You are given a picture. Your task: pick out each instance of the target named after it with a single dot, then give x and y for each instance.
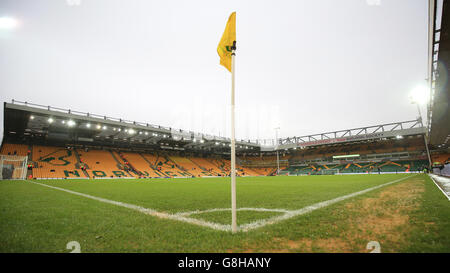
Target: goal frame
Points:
(19, 166)
(329, 171)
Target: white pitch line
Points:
(257, 224)
(293, 213)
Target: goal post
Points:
(13, 167)
(329, 171)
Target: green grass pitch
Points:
(34, 218)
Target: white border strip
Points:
(439, 187)
(183, 216)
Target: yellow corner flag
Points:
(226, 43)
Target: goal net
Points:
(329, 171)
(13, 167)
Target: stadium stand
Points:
(225, 164)
(441, 158)
(101, 163)
(187, 165)
(60, 162)
(54, 162)
(207, 164)
(14, 149)
(156, 151)
(165, 166)
(362, 167)
(141, 165)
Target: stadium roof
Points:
(440, 99)
(46, 123)
(27, 121)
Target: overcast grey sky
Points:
(305, 66)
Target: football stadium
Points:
(82, 181)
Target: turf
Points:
(34, 218)
(243, 217)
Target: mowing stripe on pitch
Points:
(183, 216)
(145, 210)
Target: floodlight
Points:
(8, 23)
(71, 123)
(31, 117)
(88, 125)
(99, 126)
(50, 120)
(104, 127)
(419, 95)
(345, 156)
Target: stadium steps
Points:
(115, 158)
(191, 166)
(164, 166)
(120, 165)
(140, 164)
(79, 163)
(209, 165)
(128, 166)
(239, 169)
(181, 170)
(149, 158)
(202, 168)
(255, 170)
(30, 161)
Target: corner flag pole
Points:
(233, 146)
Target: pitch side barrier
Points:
(381, 173)
(411, 172)
(57, 178)
(105, 178)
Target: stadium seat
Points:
(54, 162)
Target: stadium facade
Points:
(63, 143)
